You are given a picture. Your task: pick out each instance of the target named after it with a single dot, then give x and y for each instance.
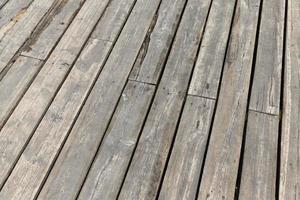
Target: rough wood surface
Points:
(152, 57)
(260, 157)
(51, 28)
(11, 13)
(265, 93)
(72, 165)
(145, 172)
(15, 83)
(114, 18)
(23, 73)
(222, 160)
(149, 99)
(34, 163)
(3, 2)
(15, 36)
(290, 141)
(206, 76)
(106, 176)
(183, 172)
(26, 116)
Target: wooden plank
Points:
(206, 76)
(44, 38)
(290, 141)
(222, 160)
(258, 179)
(114, 17)
(106, 176)
(27, 114)
(15, 36)
(15, 83)
(43, 51)
(54, 127)
(152, 58)
(2, 3)
(84, 139)
(63, 111)
(145, 172)
(11, 13)
(183, 172)
(51, 28)
(265, 95)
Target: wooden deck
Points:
(150, 99)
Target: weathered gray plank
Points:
(153, 54)
(206, 76)
(3, 2)
(11, 13)
(15, 83)
(290, 141)
(14, 37)
(265, 93)
(183, 172)
(114, 17)
(54, 127)
(51, 28)
(222, 160)
(26, 116)
(85, 136)
(145, 172)
(42, 40)
(258, 179)
(106, 176)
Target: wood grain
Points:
(55, 125)
(152, 57)
(27, 114)
(183, 172)
(15, 83)
(290, 141)
(18, 32)
(115, 16)
(260, 157)
(34, 163)
(72, 165)
(206, 76)
(49, 31)
(42, 40)
(145, 172)
(149, 99)
(265, 92)
(222, 160)
(11, 13)
(3, 2)
(106, 176)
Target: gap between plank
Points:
(18, 54)
(19, 51)
(85, 99)
(239, 175)
(184, 101)
(50, 102)
(203, 97)
(31, 58)
(142, 82)
(154, 94)
(216, 101)
(90, 90)
(261, 112)
(4, 4)
(281, 102)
